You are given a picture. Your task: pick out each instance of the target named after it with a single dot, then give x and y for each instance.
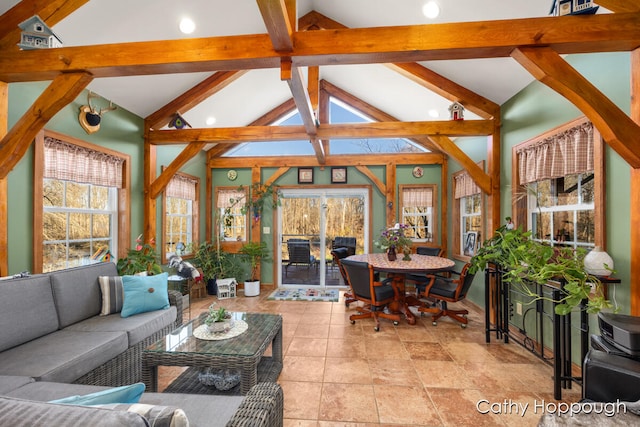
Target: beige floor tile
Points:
(347, 347)
(416, 408)
(385, 371)
(347, 370)
(348, 402)
(312, 330)
(345, 330)
(301, 399)
(317, 319)
(385, 349)
(302, 368)
(441, 374)
(458, 407)
(426, 351)
(307, 347)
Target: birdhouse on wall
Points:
(573, 7)
(178, 122)
(456, 111)
(36, 35)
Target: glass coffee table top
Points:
(261, 328)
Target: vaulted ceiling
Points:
(247, 57)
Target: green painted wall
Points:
(120, 131)
(537, 109)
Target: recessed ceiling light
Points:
(187, 26)
(434, 113)
(210, 121)
(431, 10)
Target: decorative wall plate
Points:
(232, 175)
(418, 172)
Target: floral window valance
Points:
(566, 153)
(69, 162)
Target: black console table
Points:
(561, 359)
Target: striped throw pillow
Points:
(112, 294)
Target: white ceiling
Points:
(255, 93)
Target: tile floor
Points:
(339, 374)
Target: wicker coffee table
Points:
(244, 352)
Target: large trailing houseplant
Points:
(141, 259)
(524, 261)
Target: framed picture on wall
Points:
(470, 239)
(338, 175)
(305, 175)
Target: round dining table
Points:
(397, 271)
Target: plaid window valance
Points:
(228, 198)
(417, 197)
(182, 187)
(566, 153)
(464, 186)
(69, 162)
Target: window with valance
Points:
(559, 185)
(417, 211)
(181, 201)
(467, 214)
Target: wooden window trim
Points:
(124, 194)
(230, 246)
(434, 213)
(195, 220)
(519, 204)
(456, 217)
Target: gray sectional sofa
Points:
(54, 343)
(52, 331)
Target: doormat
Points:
(305, 294)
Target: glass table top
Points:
(262, 328)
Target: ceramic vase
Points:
(218, 327)
(594, 262)
(391, 254)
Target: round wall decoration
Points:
(232, 175)
(417, 172)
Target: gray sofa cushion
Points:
(77, 293)
(11, 382)
(27, 310)
(201, 410)
(63, 356)
(138, 327)
(19, 413)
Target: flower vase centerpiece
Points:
(393, 240)
(218, 320)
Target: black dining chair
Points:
(339, 254)
(420, 281)
(447, 289)
(373, 294)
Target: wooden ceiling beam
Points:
(161, 182)
(421, 75)
(326, 131)
(448, 89)
(370, 110)
(62, 90)
(479, 176)
(50, 11)
(194, 96)
(466, 40)
(275, 17)
(334, 160)
(620, 6)
(617, 129)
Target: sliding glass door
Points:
(308, 222)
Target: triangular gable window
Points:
(338, 113)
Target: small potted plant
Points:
(257, 252)
(218, 319)
(142, 259)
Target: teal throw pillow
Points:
(144, 293)
(125, 394)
